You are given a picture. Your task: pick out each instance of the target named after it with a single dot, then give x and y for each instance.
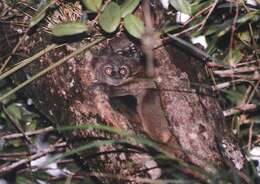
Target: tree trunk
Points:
(68, 96)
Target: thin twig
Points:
(197, 14)
(239, 109)
(27, 61)
(254, 43)
(223, 85)
(56, 64)
(23, 24)
(13, 51)
(99, 11)
(31, 133)
(233, 28)
(255, 90)
(137, 179)
(188, 29)
(230, 72)
(148, 40)
(208, 15)
(250, 136)
(15, 123)
(16, 154)
(6, 169)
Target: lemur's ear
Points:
(99, 60)
(107, 51)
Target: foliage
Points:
(232, 32)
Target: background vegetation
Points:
(230, 28)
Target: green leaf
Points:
(245, 37)
(128, 7)
(15, 112)
(109, 19)
(92, 5)
(170, 28)
(182, 6)
(233, 57)
(236, 96)
(134, 25)
(69, 28)
(253, 16)
(40, 14)
(198, 6)
(219, 29)
(223, 28)
(37, 18)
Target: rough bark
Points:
(67, 96)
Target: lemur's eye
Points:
(108, 70)
(124, 71)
